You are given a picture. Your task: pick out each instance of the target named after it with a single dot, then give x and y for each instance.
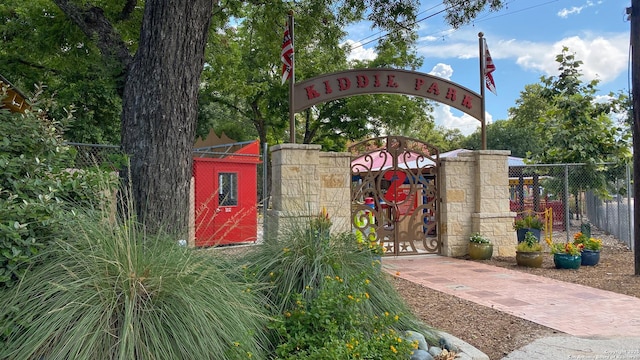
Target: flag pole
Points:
(483, 129)
(292, 81)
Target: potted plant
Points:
(590, 248)
(480, 247)
(529, 251)
(566, 255)
(528, 223)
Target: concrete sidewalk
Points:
(612, 332)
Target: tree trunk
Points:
(160, 110)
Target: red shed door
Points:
(226, 210)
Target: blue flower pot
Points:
(567, 261)
(520, 233)
(590, 257)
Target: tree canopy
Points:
(149, 56)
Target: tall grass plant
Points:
(327, 291)
(111, 291)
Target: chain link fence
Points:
(227, 175)
(577, 194)
(613, 213)
(103, 156)
(112, 157)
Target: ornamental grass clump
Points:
(528, 222)
(530, 243)
(330, 299)
(111, 291)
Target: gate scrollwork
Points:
(394, 194)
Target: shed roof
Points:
(15, 100)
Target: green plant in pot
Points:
(480, 247)
(590, 249)
(529, 251)
(566, 255)
(528, 223)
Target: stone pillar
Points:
(492, 216)
(457, 194)
(303, 181)
(474, 187)
(335, 189)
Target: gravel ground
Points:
(496, 333)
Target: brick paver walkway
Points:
(552, 303)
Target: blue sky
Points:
(524, 39)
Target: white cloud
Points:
(358, 52)
(602, 57)
(565, 13)
(448, 117)
(442, 70)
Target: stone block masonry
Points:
(473, 188)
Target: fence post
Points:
(567, 223)
(265, 188)
(630, 208)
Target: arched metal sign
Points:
(347, 83)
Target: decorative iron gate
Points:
(394, 194)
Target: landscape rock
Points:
(421, 355)
(412, 336)
(435, 351)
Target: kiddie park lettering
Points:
(380, 81)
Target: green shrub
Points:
(35, 186)
(334, 325)
(113, 292)
(320, 316)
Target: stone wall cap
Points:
(295, 147)
(494, 152)
(334, 154)
(460, 158)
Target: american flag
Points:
(286, 55)
(489, 67)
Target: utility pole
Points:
(634, 16)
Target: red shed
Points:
(226, 194)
